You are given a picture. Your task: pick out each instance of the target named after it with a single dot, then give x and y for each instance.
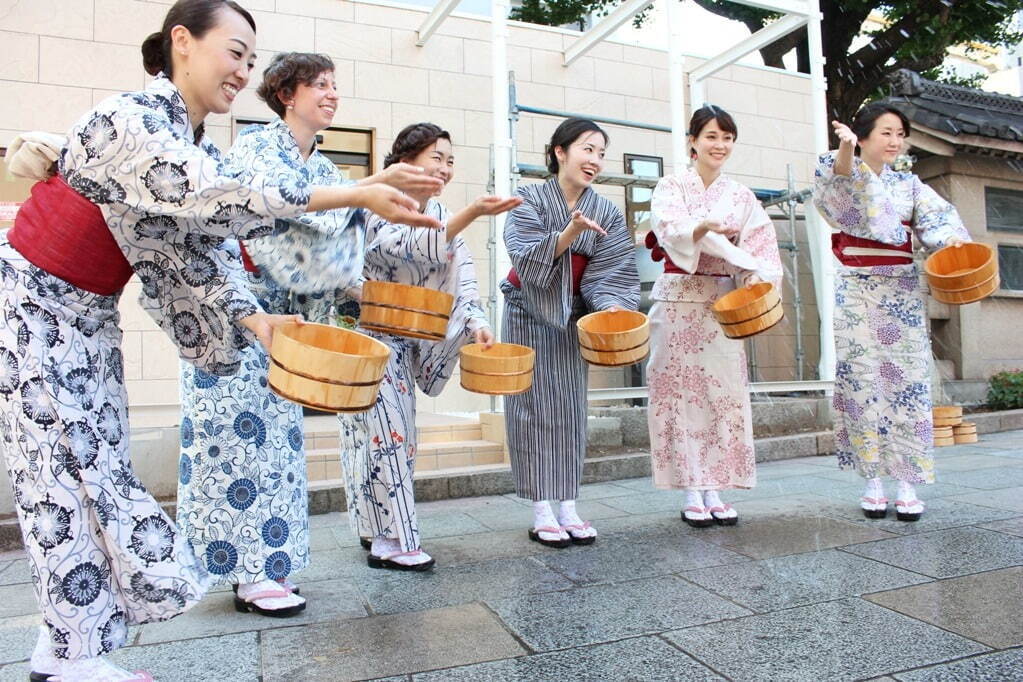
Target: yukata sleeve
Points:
(545, 278)
(129, 157)
(857, 204)
(936, 222)
(468, 296)
(673, 224)
(611, 277)
(759, 239)
(404, 243)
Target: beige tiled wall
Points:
(62, 56)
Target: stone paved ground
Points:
(804, 588)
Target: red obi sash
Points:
(60, 231)
(901, 254)
(659, 254)
(247, 260)
(579, 263)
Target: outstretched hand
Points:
(395, 207)
(410, 179)
(493, 205)
(581, 223)
(485, 336)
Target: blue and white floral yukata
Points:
(242, 493)
(882, 401)
(378, 448)
(101, 552)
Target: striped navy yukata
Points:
(546, 426)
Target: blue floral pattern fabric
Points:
(882, 399)
(169, 202)
(242, 491)
(314, 252)
(101, 552)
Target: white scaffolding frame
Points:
(795, 15)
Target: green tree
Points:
(916, 35)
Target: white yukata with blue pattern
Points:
(102, 553)
(242, 492)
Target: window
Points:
(1003, 209)
(351, 149)
(1010, 267)
(637, 199)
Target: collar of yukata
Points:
(282, 130)
(169, 98)
(694, 182)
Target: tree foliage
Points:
(915, 34)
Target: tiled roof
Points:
(955, 109)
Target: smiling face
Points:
(885, 141)
(210, 71)
(712, 146)
(583, 160)
(437, 161)
(314, 105)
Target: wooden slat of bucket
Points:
(947, 411)
(614, 331)
(405, 310)
(325, 353)
(755, 326)
(746, 303)
(402, 322)
(502, 369)
(971, 295)
(615, 359)
(321, 395)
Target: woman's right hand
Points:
(264, 324)
(844, 134)
(581, 223)
(410, 179)
(394, 207)
(706, 226)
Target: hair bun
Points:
(153, 60)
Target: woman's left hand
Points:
(614, 309)
(956, 243)
(753, 279)
(264, 324)
(492, 205)
(485, 337)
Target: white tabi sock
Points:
(694, 498)
(390, 548)
(907, 493)
(712, 500)
(543, 517)
(568, 518)
(97, 669)
(43, 660)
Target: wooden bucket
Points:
(943, 436)
(965, 433)
(405, 310)
(614, 338)
(327, 368)
(502, 369)
(948, 422)
(749, 310)
(964, 274)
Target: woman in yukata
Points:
(882, 401)
(572, 254)
(379, 447)
(242, 494)
(138, 191)
(712, 235)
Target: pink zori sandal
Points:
(580, 539)
(874, 507)
(277, 603)
(724, 515)
(387, 561)
(908, 515)
(697, 517)
(534, 535)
